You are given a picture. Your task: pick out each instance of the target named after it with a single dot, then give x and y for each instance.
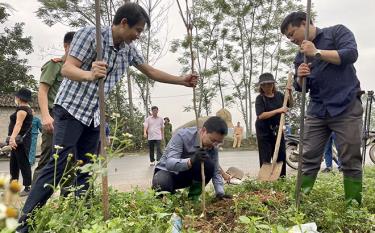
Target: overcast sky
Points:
(356, 15)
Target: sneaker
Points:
(327, 169)
(25, 192)
(152, 163)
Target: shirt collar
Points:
(197, 143)
(318, 33)
(109, 38)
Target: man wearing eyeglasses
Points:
(179, 166)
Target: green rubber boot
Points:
(195, 190)
(307, 184)
(353, 190)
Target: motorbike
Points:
(292, 151)
(371, 143)
(5, 150)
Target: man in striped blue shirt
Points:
(76, 109)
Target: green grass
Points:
(256, 207)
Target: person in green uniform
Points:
(167, 130)
(50, 81)
(36, 127)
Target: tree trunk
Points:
(130, 95)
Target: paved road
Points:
(132, 171)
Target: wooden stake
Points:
(189, 29)
(103, 140)
(302, 117)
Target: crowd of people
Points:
(69, 102)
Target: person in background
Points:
(328, 154)
(237, 135)
(19, 138)
(268, 107)
(50, 81)
(35, 129)
(287, 129)
(167, 130)
(153, 130)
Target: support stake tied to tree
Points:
(302, 117)
(189, 29)
(99, 52)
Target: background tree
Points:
(152, 44)
(207, 20)
(13, 69)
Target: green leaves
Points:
(13, 69)
(256, 207)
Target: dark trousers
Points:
(75, 138)
(348, 129)
(169, 181)
(266, 147)
(19, 160)
(46, 153)
(151, 146)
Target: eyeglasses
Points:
(213, 141)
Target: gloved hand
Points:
(199, 155)
(222, 196)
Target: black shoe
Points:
(327, 169)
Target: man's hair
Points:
(154, 107)
(216, 124)
(68, 37)
(294, 19)
(133, 13)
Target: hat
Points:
(24, 94)
(266, 78)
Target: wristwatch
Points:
(318, 54)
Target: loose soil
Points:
(221, 214)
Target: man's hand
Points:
(98, 70)
(145, 135)
(190, 80)
(222, 196)
(308, 48)
(200, 155)
(226, 176)
(47, 123)
(303, 70)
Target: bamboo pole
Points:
(302, 117)
(103, 140)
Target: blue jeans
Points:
(328, 151)
(75, 138)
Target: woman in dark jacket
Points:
(19, 133)
(268, 107)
